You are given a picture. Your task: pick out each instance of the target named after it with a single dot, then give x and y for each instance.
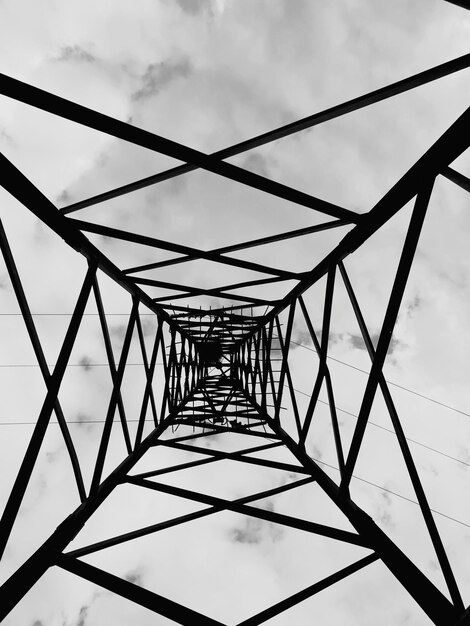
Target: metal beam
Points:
(148, 599)
(438, 608)
(16, 183)
(401, 86)
(452, 143)
(300, 232)
(144, 240)
(93, 119)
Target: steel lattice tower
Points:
(226, 370)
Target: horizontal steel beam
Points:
(144, 240)
(300, 596)
(148, 599)
(300, 232)
(457, 178)
(16, 183)
(401, 86)
(439, 609)
(454, 141)
(121, 130)
(269, 516)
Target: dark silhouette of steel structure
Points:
(226, 370)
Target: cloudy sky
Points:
(208, 74)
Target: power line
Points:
(415, 393)
(382, 488)
(389, 430)
(399, 495)
(70, 314)
(88, 365)
(354, 367)
(84, 365)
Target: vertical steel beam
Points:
(285, 356)
(111, 361)
(38, 351)
(405, 450)
(148, 389)
(398, 289)
(439, 609)
(26, 469)
(109, 420)
(323, 351)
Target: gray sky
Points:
(209, 74)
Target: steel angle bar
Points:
(109, 419)
(464, 619)
(228, 296)
(124, 235)
(92, 119)
(39, 353)
(166, 370)
(452, 143)
(433, 602)
(243, 509)
(290, 386)
(349, 106)
(29, 460)
(178, 368)
(269, 375)
(300, 524)
(186, 367)
(266, 348)
(198, 436)
(300, 596)
(207, 396)
(408, 457)
(223, 309)
(176, 443)
(148, 599)
(111, 361)
(324, 372)
(212, 291)
(176, 468)
(457, 178)
(16, 183)
(184, 309)
(21, 581)
(276, 490)
(241, 456)
(176, 521)
(285, 356)
(226, 429)
(171, 386)
(150, 366)
(257, 367)
(323, 353)
(141, 532)
(398, 289)
(249, 362)
(211, 326)
(148, 392)
(242, 246)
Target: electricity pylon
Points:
(227, 371)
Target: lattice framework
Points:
(226, 370)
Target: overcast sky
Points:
(210, 73)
